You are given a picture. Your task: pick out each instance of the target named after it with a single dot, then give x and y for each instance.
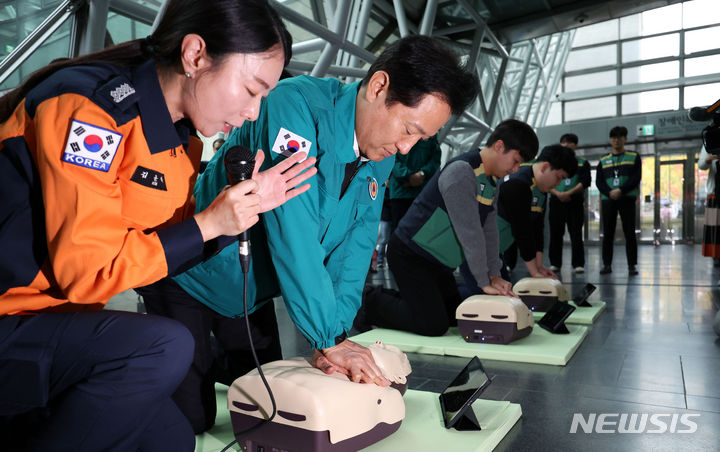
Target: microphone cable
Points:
(241, 159)
(259, 369)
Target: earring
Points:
(187, 74)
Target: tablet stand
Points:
(583, 304)
(468, 421)
(560, 328)
(554, 319)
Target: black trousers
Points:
(426, 300)
(572, 214)
(398, 209)
(609, 210)
(91, 381)
(510, 257)
(196, 394)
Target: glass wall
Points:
(19, 18)
(646, 225)
(676, 213)
(671, 179)
(610, 62)
(593, 205)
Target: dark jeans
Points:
(398, 209)
(610, 209)
(572, 214)
(90, 381)
(427, 297)
(196, 394)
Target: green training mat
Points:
(540, 347)
(215, 439)
(421, 430)
(581, 316)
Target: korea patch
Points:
(288, 143)
(91, 146)
(149, 178)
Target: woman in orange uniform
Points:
(97, 164)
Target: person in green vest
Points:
(410, 174)
(522, 202)
(316, 249)
(618, 179)
(567, 207)
(452, 221)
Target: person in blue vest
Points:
(410, 174)
(618, 179)
(316, 248)
(450, 222)
(567, 207)
(522, 201)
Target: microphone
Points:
(699, 114)
(702, 114)
(239, 164)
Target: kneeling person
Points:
(451, 221)
(522, 202)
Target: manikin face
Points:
(547, 177)
(383, 131)
(226, 94)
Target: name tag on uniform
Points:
(616, 182)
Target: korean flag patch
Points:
(288, 143)
(91, 146)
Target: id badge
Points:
(616, 182)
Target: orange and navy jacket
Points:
(94, 184)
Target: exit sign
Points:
(646, 130)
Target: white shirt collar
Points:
(356, 148)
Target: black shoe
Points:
(632, 270)
(605, 270)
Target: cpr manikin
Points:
(319, 412)
(540, 293)
(493, 319)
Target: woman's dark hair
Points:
(560, 158)
(420, 65)
(226, 26)
(518, 136)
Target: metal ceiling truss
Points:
(342, 38)
(516, 82)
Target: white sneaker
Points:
(554, 268)
(579, 270)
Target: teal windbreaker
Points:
(320, 243)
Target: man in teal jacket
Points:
(321, 241)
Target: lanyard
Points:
(616, 168)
